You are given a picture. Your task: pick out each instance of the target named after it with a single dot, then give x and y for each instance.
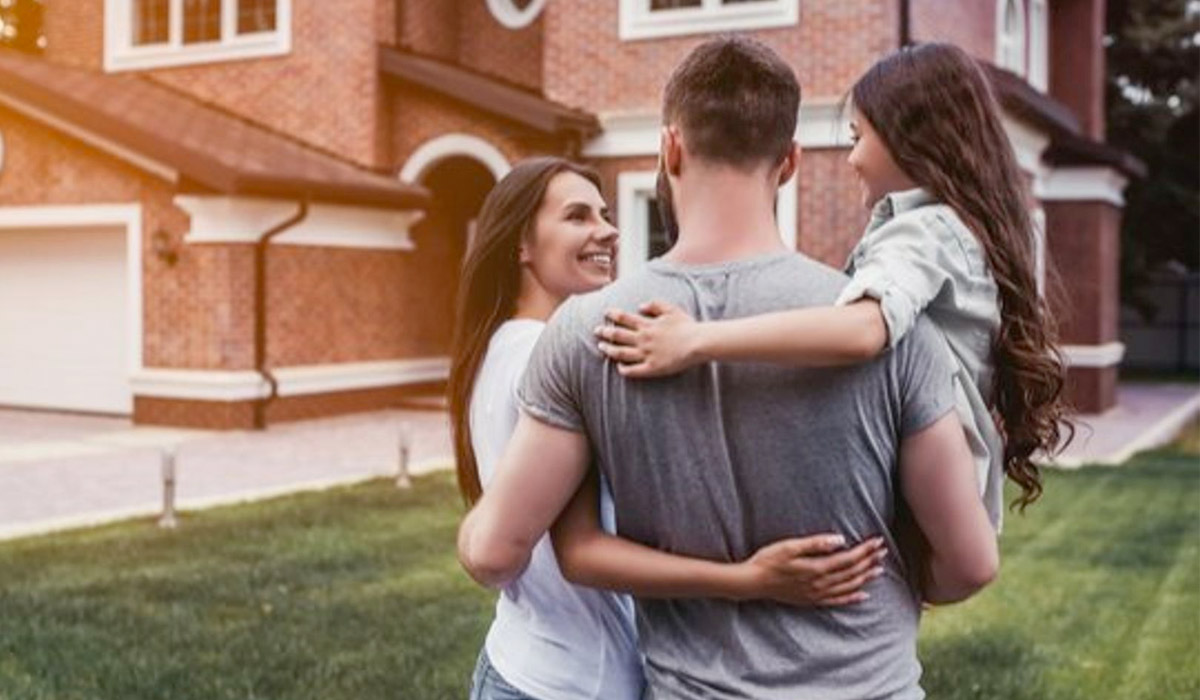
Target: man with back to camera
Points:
(724, 458)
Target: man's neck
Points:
(724, 216)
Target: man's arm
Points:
(937, 475)
(541, 469)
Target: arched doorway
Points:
(459, 185)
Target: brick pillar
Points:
(1083, 225)
(1077, 60)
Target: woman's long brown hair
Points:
(937, 114)
(487, 294)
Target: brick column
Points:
(1083, 225)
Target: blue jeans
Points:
(488, 684)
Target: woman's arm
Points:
(663, 339)
(800, 571)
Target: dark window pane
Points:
(256, 16)
(150, 25)
(201, 21)
(672, 4)
(659, 241)
(521, 4)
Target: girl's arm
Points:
(800, 571)
(664, 339)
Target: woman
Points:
(542, 236)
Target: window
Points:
(515, 14)
(1010, 36)
(1039, 45)
(645, 19)
(643, 236)
(159, 33)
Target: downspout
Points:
(260, 310)
(905, 25)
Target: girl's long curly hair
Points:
(936, 112)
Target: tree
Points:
(1153, 108)
(21, 25)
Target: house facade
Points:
(225, 213)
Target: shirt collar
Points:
(896, 203)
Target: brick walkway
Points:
(61, 471)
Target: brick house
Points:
(224, 213)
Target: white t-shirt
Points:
(551, 639)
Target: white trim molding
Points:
(121, 54)
(820, 124)
(639, 21)
(220, 219)
(126, 215)
(434, 150)
(636, 189)
(513, 17)
(1083, 184)
(1027, 143)
(300, 380)
(1039, 44)
(151, 166)
(1094, 356)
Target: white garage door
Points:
(63, 323)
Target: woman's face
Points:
(573, 248)
(878, 174)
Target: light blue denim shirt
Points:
(918, 257)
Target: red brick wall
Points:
(831, 212)
(1083, 240)
(485, 45)
(75, 33)
(1077, 66)
(971, 25)
(419, 115)
(587, 65)
(327, 305)
(325, 92)
(429, 27)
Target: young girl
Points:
(949, 238)
(543, 236)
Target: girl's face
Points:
(878, 174)
(573, 248)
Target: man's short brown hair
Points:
(736, 102)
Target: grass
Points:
(355, 593)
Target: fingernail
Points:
(877, 571)
(837, 541)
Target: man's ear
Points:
(789, 165)
(670, 150)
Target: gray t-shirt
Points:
(724, 458)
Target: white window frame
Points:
(1011, 45)
(1037, 217)
(1039, 44)
(638, 21)
(636, 189)
(511, 16)
(121, 54)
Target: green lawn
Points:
(355, 593)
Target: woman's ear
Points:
(523, 256)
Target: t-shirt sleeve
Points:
(926, 378)
(549, 389)
(902, 265)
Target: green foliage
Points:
(21, 25)
(1153, 109)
